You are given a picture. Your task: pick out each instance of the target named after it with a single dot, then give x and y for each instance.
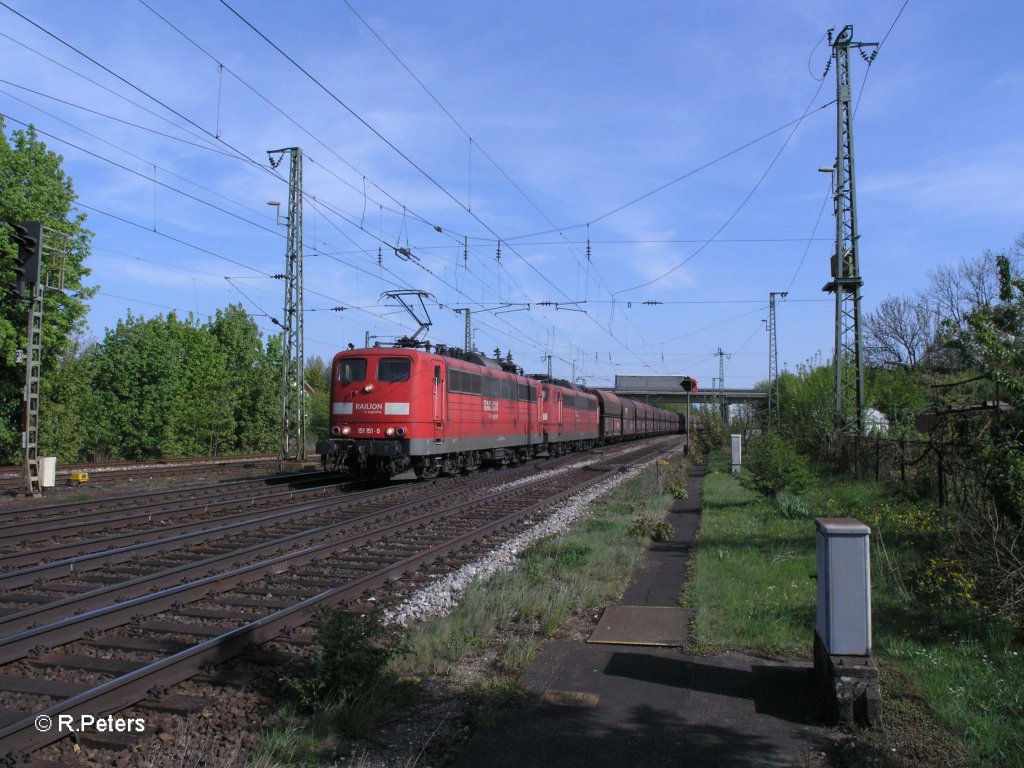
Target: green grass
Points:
(750, 583)
(952, 675)
(557, 577)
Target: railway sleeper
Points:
(174, 704)
(87, 663)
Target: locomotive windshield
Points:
(351, 369)
(393, 369)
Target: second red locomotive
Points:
(407, 413)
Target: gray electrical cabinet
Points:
(844, 586)
(737, 453)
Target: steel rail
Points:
(25, 576)
(20, 644)
(109, 507)
(83, 601)
(113, 504)
(10, 479)
(135, 686)
(82, 547)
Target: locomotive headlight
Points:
(400, 431)
(346, 430)
(368, 388)
(390, 431)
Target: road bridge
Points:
(667, 389)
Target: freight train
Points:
(405, 413)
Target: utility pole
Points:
(468, 343)
(721, 385)
(846, 280)
(293, 409)
(773, 360)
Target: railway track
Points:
(105, 473)
(119, 626)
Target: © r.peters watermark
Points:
(82, 723)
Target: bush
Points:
(349, 655)
(645, 527)
(678, 491)
(776, 466)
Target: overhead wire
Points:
(871, 60)
(255, 91)
(134, 87)
(125, 168)
(240, 154)
(796, 124)
(424, 221)
(112, 92)
(683, 177)
(473, 141)
(270, 103)
(132, 171)
(406, 157)
(128, 123)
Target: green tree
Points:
(202, 409)
(990, 531)
(162, 388)
(318, 379)
(807, 407)
(254, 382)
(33, 187)
(993, 342)
(68, 403)
(775, 466)
(900, 394)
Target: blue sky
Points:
(668, 134)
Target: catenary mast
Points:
(845, 264)
(293, 411)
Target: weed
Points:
(349, 655)
(645, 527)
(642, 527)
(491, 697)
(678, 490)
(519, 652)
(792, 506)
(775, 466)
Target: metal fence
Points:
(945, 471)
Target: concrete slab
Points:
(663, 625)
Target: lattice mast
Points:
(773, 359)
(721, 385)
(293, 410)
(846, 280)
(33, 368)
(42, 257)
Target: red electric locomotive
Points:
(406, 413)
(571, 418)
